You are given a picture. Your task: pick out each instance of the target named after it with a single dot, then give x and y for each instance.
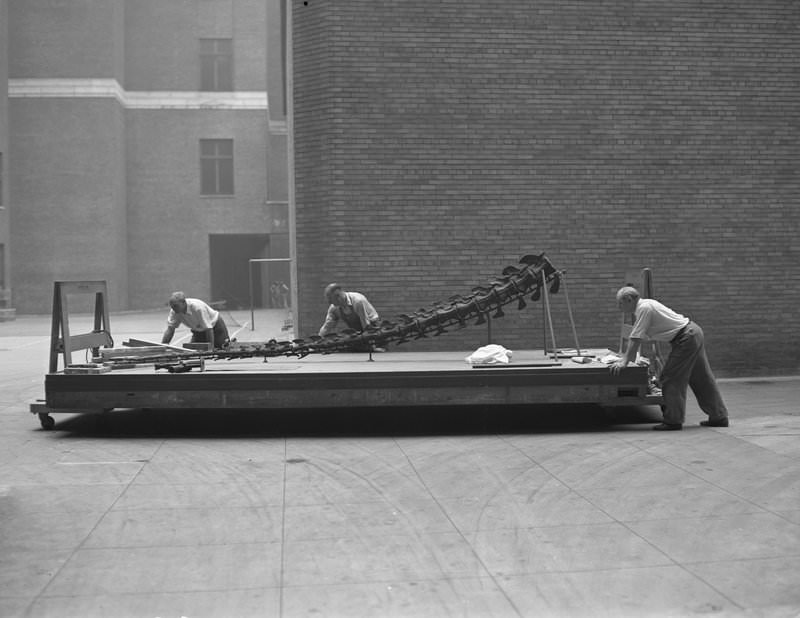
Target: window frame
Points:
(219, 164)
(217, 64)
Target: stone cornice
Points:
(135, 99)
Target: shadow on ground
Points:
(372, 422)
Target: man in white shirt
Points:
(687, 364)
(206, 323)
(352, 308)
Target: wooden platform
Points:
(351, 380)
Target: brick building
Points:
(436, 142)
(146, 146)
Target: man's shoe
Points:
(668, 427)
(718, 422)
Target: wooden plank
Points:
(142, 352)
(144, 343)
(514, 366)
(87, 369)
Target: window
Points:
(216, 166)
(216, 65)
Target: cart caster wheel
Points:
(47, 421)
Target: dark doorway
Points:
(230, 255)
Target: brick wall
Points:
(436, 142)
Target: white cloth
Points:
(491, 354)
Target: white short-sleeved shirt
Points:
(198, 317)
(655, 321)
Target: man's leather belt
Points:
(679, 333)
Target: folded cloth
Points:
(613, 357)
(491, 354)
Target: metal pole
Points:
(546, 297)
(569, 311)
(544, 327)
(250, 262)
(252, 309)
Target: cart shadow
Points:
(367, 422)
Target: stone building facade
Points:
(146, 146)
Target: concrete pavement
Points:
(545, 511)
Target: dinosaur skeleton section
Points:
(515, 284)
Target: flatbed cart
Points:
(344, 379)
(394, 379)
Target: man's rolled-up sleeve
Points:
(330, 322)
(366, 313)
